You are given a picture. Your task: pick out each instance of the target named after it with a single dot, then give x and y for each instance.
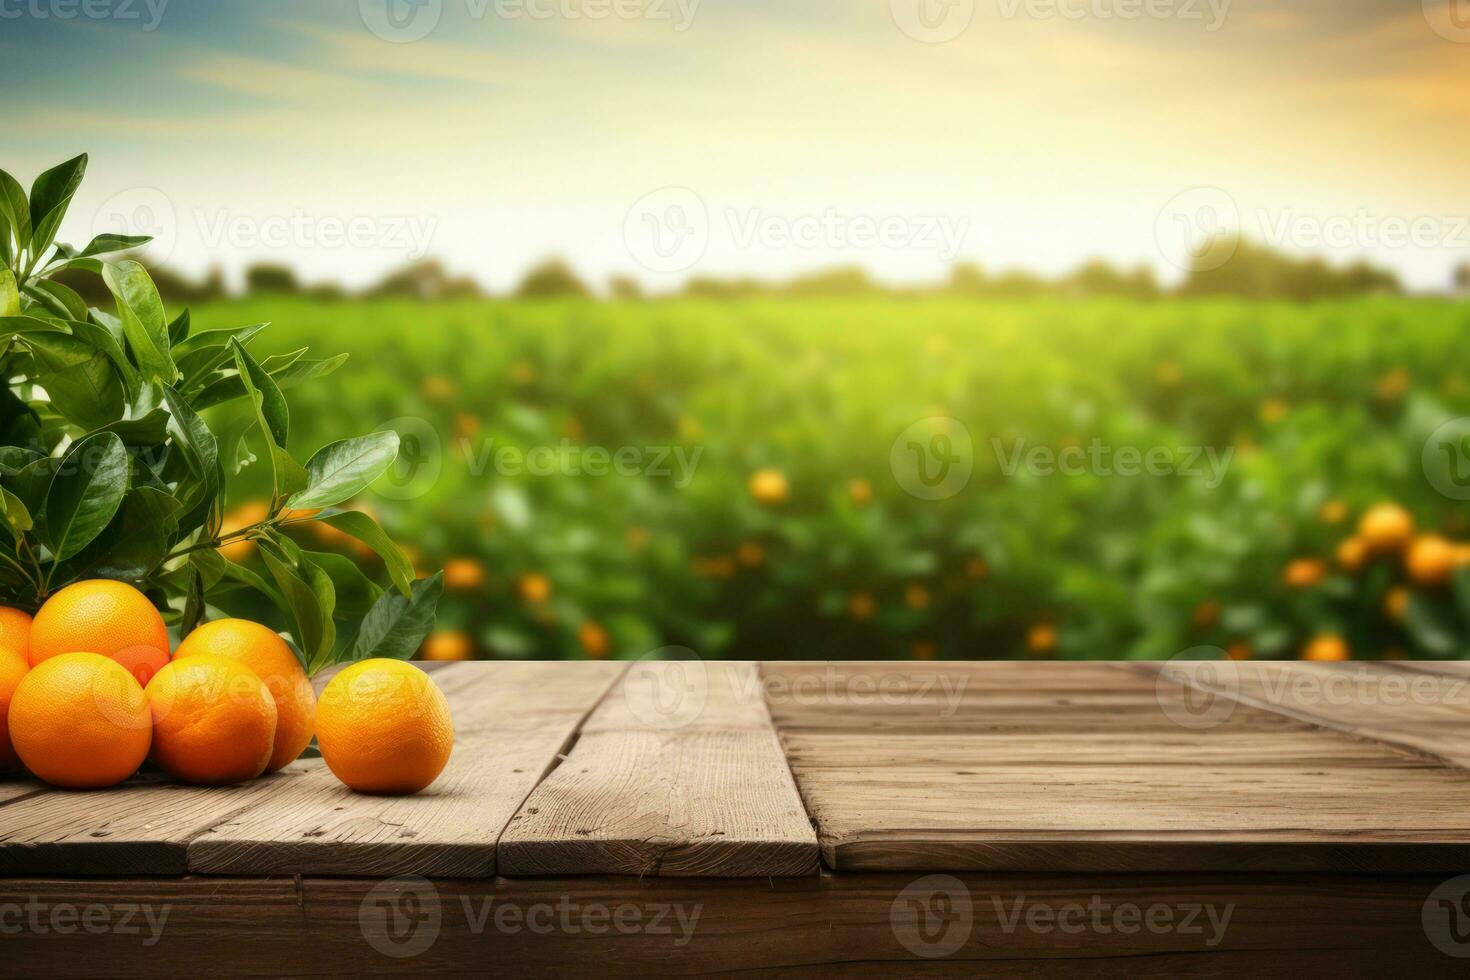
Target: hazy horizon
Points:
(763, 139)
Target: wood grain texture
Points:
(140, 828)
(852, 925)
(678, 773)
(512, 720)
(1100, 768)
(1421, 708)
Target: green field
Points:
(1247, 418)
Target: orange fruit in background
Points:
(1041, 639)
(12, 668)
(1386, 527)
(1328, 647)
(238, 519)
(15, 632)
(1430, 560)
(1352, 554)
(594, 639)
(448, 645)
(106, 617)
(463, 574)
(272, 660)
(213, 720)
(769, 486)
(534, 587)
(1396, 602)
(384, 727)
(1303, 573)
(80, 720)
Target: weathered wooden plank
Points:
(877, 925)
(140, 828)
(1134, 774)
(511, 722)
(1424, 711)
(678, 773)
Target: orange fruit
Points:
(1327, 646)
(1352, 554)
(1041, 639)
(1333, 512)
(448, 645)
(106, 617)
(769, 486)
(1396, 603)
(1303, 573)
(383, 727)
(12, 668)
(1239, 650)
(751, 554)
(1430, 560)
(268, 656)
(915, 596)
(860, 490)
(594, 640)
(1386, 527)
(15, 632)
(861, 605)
(80, 720)
(535, 587)
(463, 574)
(213, 720)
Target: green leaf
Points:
(396, 626)
(343, 469)
(211, 566)
(199, 451)
(9, 294)
(220, 336)
(80, 380)
(136, 541)
(14, 209)
(286, 376)
(355, 592)
(60, 300)
(365, 529)
(106, 244)
(179, 329)
(51, 195)
(13, 511)
(143, 321)
(306, 591)
(149, 430)
(85, 493)
(270, 404)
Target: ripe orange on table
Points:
(268, 656)
(106, 617)
(13, 667)
(1385, 528)
(383, 727)
(15, 632)
(213, 720)
(80, 720)
(1430, 560)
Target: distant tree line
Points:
(1228, 267)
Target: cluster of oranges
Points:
(89, 690)
(1385, 532)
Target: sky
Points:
(668, 138)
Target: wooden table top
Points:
(738, 770)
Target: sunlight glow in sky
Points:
(668, 138)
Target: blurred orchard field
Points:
(911, 477)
